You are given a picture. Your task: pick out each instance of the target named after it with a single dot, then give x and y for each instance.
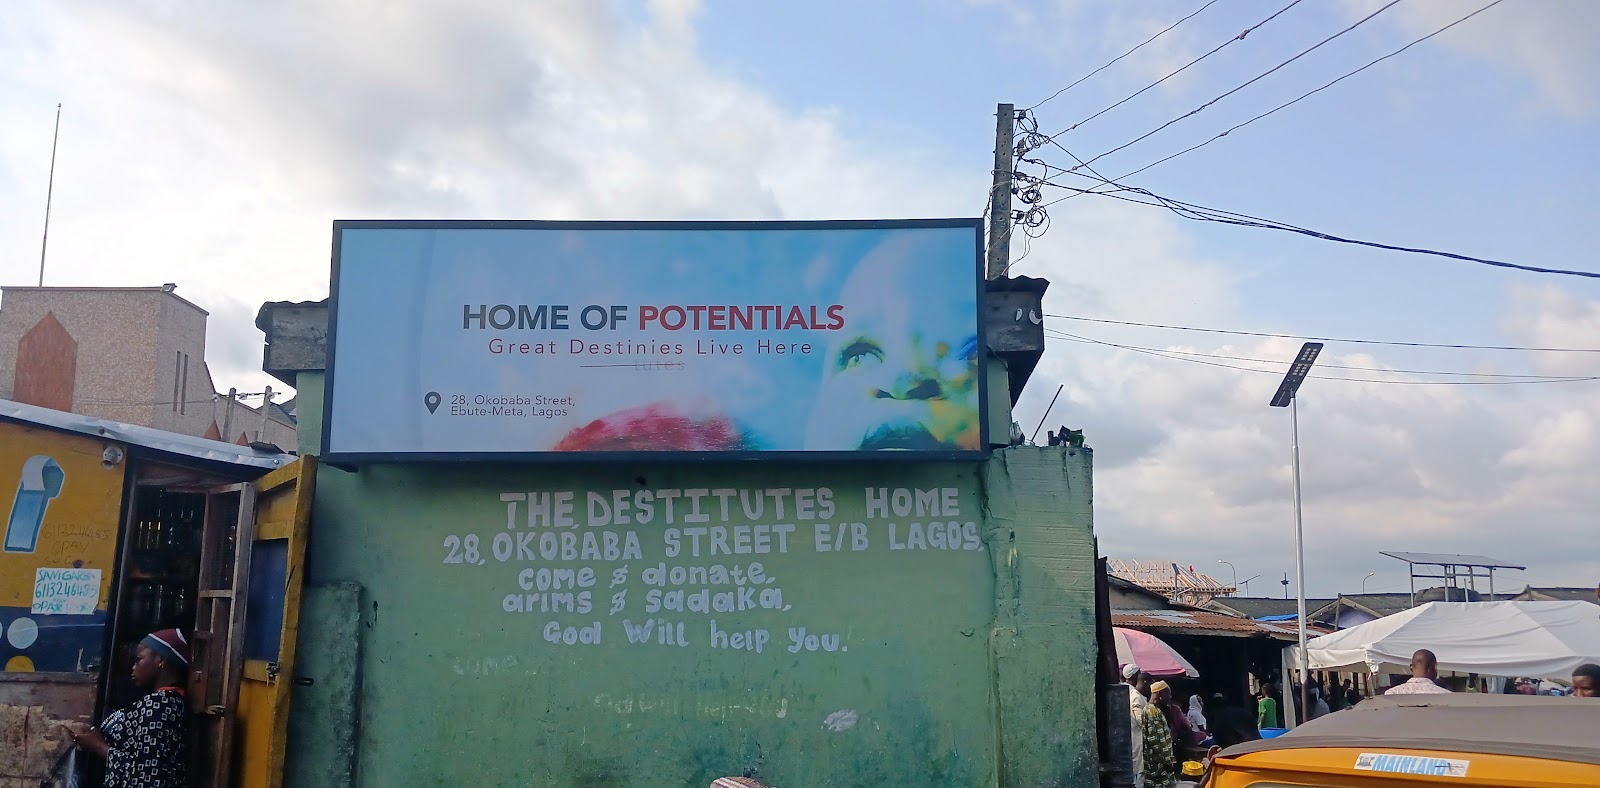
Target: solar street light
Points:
(1285, 397)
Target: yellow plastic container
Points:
(1417, 741)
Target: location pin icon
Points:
(431, 399)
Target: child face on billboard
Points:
(902, 374)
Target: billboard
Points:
(540, 340)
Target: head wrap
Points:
(1158, 686)
(169, 644)
(1129, 671)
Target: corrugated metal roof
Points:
(1562, 594)
(146, 437)
(1202, 622)
(1261, 607)
(1384, 604)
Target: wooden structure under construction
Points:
(1180, 583)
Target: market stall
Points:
(113, 531)
(1534, 639)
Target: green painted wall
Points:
(912, 678)
(1038, 508)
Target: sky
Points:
(212, 145)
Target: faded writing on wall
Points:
(679, 567)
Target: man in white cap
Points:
(1136, 704)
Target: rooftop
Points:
(170, 443)
(1558, 594)
(1167, 577)
(1263, 606)
(1379, 605)
(168, 289)
(1204, 622)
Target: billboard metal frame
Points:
(352, 459)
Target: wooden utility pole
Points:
(227, 416)
(999, 257)
(266, 416)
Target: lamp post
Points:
(1364, 581)
(1285, 397)
(1231, 571)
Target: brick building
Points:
(128, 354)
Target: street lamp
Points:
(1364, 581)
(1285, 397)
(1231, 571)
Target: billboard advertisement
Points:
(540, 340)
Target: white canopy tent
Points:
(1534, 639)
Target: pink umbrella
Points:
(1150, 654)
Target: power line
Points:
(218, 397)
(1204, 214)
(1136, 94)
(1310, 93)
(1118, 58)
(1252, 81)
(1445, 373)
(1391, 382)
(1396, 343)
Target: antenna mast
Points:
(49, 193)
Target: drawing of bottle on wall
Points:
(41, 482)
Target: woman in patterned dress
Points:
(1160, 762)
(144, 745)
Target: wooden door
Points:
(250, 582)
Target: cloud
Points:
(1549, 40)
(1551, 317)
(214, 146)
(1496, 470)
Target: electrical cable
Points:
(1219, 48)
(1204, 214)
(1166, 355)
(1345, 340)
(1251, 81)
(1308, 94)
(1118, 58)
(1441, 372)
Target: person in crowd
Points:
(1586, 681)
(1229, 723)
(1178, 726)
(1197, 719)
(1352, 696)
(1266, 707)
(1319, 707)
(144, 745)
(1140, 684)
(1160, 759)
(1424, 676)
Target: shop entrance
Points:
(221, 562)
